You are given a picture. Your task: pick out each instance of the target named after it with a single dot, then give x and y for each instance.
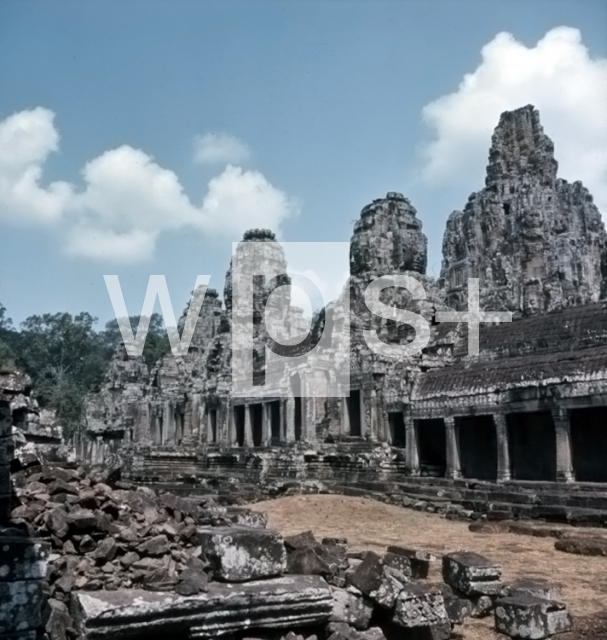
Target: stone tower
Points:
(388, 238)
(534, 241)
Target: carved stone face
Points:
(533, 299)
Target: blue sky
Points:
(321, 107)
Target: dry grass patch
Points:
(373, 525)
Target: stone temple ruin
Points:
(98, 549)
(530, 407)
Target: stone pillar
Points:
(290, 419)
(453, 465)
(564, 464)
(169, 423)
(345, 418)
(411, 454)
(191, 407)
(233, 439)
(363, 414)
(200, 421)
(265, 424)
(503, 450)
(248, 426)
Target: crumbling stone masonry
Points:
(22, 559)
(531, 407)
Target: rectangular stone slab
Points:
(472, 573)
(132, 614)
(243, 553)
(532, 618)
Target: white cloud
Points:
(26, 140)
(220, 148)
(238, 200)
(128, 199)
(558, 77)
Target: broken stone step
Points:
(130, 614)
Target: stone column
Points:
(564, 464)
(188, 436)
(169, 423)
(290, 419)
(453, 465)
(345, 418)
(233, 439)
(411, 454)
(503, 450)
(248, 426)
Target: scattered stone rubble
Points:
(123, 563)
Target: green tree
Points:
(66, 358)
(9, 342)
(156, 343)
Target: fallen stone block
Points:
(472, 574)
(351, 607)
(398, 562)
(237, 554)
(419, 560)
(300, 541)
(279, 603)
(377, 581)
(420, 605)
(529, 617)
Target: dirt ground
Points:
(368, 524)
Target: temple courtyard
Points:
(372, 525)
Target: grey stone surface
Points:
(472, 574)
(526, 616)
(534, 240)
(278, 603)
(351, 607)
(241, 553)
(380, 583)
(420, 605)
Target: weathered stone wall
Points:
(534, 241)
(22, 560)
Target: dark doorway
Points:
(397, 429)
(274, 409)
(239, 423)
(354, 417)
(296, 390)
(589, 444)
(213, 424)
(477, 441)
(298, 418)
(178, 427)
(257, 424)
(532, 443)
(432, 446)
